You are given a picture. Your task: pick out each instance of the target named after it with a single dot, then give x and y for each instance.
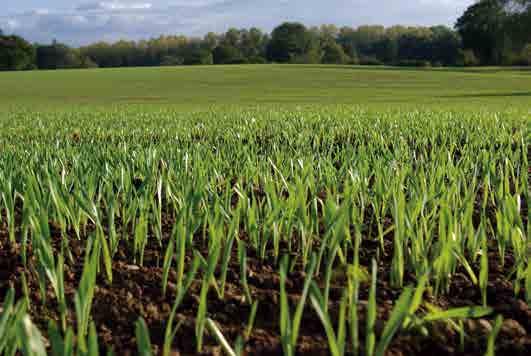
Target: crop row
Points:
(331, 194)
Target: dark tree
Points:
(333, 53)
(519, 21)
(232, 37)
(227, 54)
(387, 50)
(194, 54)
(346, 39)
(16, 53)
(104, 54)
(482, 30)
(57, 56)
(291, 43)
(253, 45)
(526, 54)
(446, 45)
(210, 41)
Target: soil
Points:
(136, 292)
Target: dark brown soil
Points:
(136, 292)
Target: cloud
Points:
(136, 19)
(113, 6)
(12, 24)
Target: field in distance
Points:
(196, 88)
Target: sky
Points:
(79, 22)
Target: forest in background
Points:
(490, 32)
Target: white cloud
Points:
(113, 6)
(39, 12)
(12, 24)
(134, 19)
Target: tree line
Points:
(490, 32)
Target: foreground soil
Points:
(136, 292)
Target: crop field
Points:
(265, 210)
(197, 88)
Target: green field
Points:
(265, 210)
(194, 88)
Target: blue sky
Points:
(83, 21)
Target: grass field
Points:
(265, 210)
(194, 88)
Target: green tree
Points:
(482, 28)
(104, 54)
(16, 53)
(210, 41)
(387, 50)
(329, 32)
(232, 37)
(518, 21)
(445, 45)
(227, 54)
(57, 56)
(346, 39)
(292, 43)
(86, 62)
(467, 58)
(253, 44)
(194, 54)
(333, 53)
(526, 54)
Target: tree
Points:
(445, 45)
(346, 39)
(103, 54)
(482, 30)
(526, 54)
(416, 45)
(232, 37)
(467, 58)
(292, 43)
(333, 53)
(86, 62)
(194, 54)
(57, 56)
(210, 41)
(16, 53)
(227, 54)
(366, 38)
(329, 31)
(518, 21)
(387, 50)
(253, 45)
